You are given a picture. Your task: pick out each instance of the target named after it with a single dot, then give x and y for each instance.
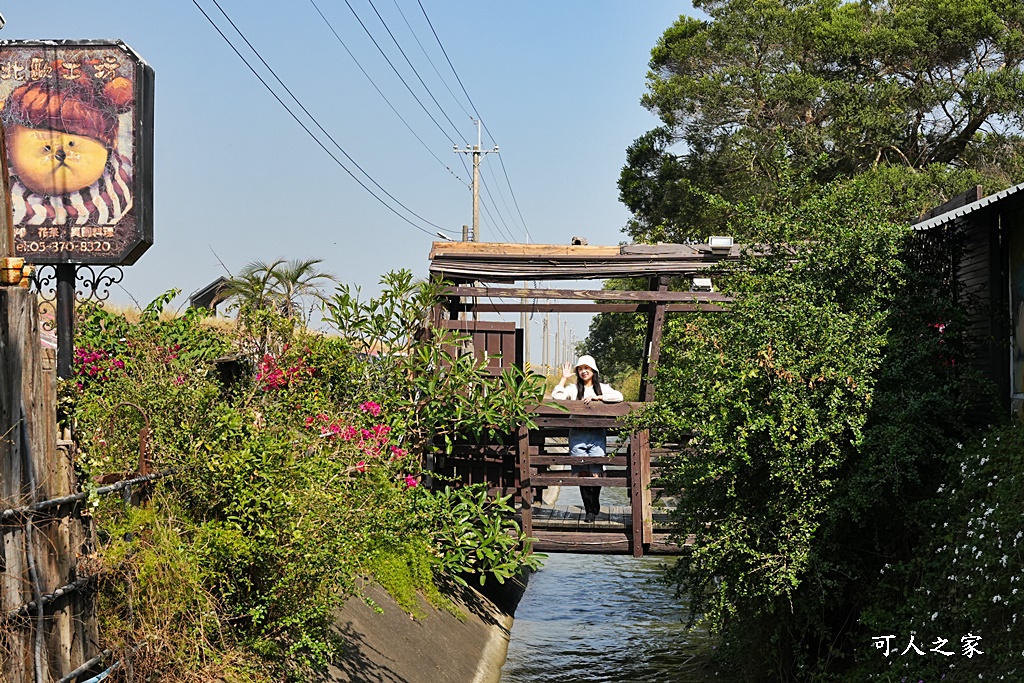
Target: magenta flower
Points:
(410, 481)
(397, 452)
(371, 408)
(361, 466)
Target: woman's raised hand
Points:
(567, 370)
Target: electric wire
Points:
(431, 62)
(397, 73)
(494, 224)
(411, 66)
(313, 118)
(383, 96)
(501, 194)
(506, 232)
(314, 137)
(432, 97)
(476, 111)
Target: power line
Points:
(409, 62)
(322, 129)
(309, 132)
(383, 96)
(397, 73)
(470, 99)
(501, 194)
(506, 232)
(430, 61)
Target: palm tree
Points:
(280, 285)
(294, 280)
(253, 287)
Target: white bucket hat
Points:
(588, 361)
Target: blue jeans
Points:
(588, 442)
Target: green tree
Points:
(821, 89)
(819, 413)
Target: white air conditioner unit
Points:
(720, 244)
(701, 284)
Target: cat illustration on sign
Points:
(63, 132)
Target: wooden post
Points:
(646, 511)
(525, 490)
(639, 491)
(6, 213)
(17, 315)
(652, 340)
(28, 453)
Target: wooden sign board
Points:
(78, 118)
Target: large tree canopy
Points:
(821, 89)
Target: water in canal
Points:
(602, 618)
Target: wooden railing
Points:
(533, 466)
(526, 462)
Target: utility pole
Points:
(545, 346)
(477, 151)
(558, 340)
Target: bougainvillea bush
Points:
(298, 471)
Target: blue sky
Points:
(557, 84)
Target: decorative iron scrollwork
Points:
(43, 282)
(96, 286)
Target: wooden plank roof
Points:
(960, 212)
(504, 262)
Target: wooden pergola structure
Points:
(521, 464)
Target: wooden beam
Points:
(615, 460)
(524, 484)
(570, 479)
(490, 307)
(7, 247)
(564, 408)
(591, 294)
(601, 542)
(636, 496)
(597, 422)
(652, 341)
(646, 512)
(464, 249)
(475, 325)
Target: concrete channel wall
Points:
(393, 647)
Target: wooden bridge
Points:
(531, 463)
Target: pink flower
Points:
(179, 380)
(348, 433)
(397, 452)
(371, 408)
(410, 481)
(309, 421)
(381, 431)
(361, 466)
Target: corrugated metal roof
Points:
(962, 211)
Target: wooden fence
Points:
(49, 628)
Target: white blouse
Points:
(568, 393)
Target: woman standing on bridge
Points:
(587, 442)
